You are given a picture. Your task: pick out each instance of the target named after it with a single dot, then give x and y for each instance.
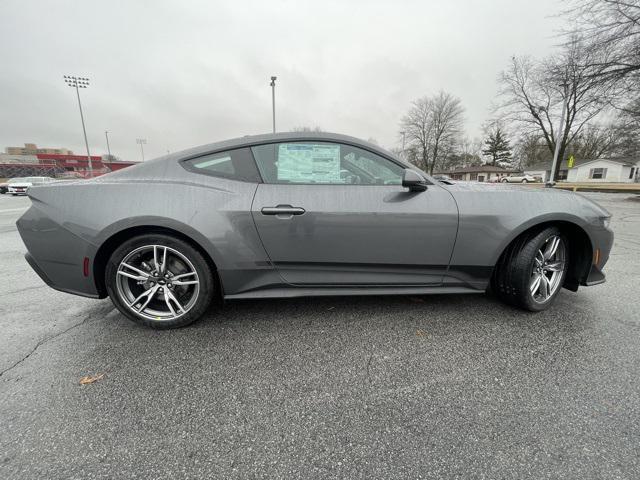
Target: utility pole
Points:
(78, 83)
(106, 134)
(273, 101)
(141, 142)
(403, 133)
(559, 135)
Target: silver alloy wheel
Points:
(157, 282)
(548, 268)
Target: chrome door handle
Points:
(282, 210)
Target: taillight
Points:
(85, 266)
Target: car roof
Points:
(251, 140)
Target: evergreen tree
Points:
(497, 148)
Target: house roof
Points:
(580, 162)
(478, 169)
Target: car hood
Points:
(21, 184)
(516, 192)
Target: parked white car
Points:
(18, 186)
(519, 178)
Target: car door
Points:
(336, 214)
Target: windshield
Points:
(18, 180)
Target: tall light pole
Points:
(141, 142)
(106, 135)
(403, 133)
(559, 135)
(273, 101)
(78, 83)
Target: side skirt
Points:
(289, 292)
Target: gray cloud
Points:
(191, 72)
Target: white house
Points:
(605, 170)
(615, 170)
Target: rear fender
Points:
(162, 222)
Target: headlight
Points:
(605, 221)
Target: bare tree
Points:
(531, 149)
(596, 141)
(470, 150)
(533, 92)
(417, 129)
(612, 29)
(628, 131)
(432, 128)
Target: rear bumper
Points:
(56, 254)
(36, 268)
(41, 273)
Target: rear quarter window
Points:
(233, 164)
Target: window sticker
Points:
(304, 163)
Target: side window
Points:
(324, 163)
(234, 164)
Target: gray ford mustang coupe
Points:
(304, 214)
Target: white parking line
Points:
(14, 210)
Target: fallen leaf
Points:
(416, 299)
(420, 333)
(90, 379)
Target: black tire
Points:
(199, 301)
(516, 269)
(504, 180)
(524, 180)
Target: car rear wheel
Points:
(159, 281)
(504, 180)
(530, 274)
(524, 180)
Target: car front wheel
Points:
(159, 281)
(531, 272)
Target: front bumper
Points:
(602, 242)
(595, 277)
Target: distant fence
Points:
(12, 170)
(49, 169)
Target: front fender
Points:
(533, 222)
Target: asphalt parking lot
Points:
(367, 387)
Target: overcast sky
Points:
(184, 73)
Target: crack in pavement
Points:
(47, 340)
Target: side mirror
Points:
(413, 181)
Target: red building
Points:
(78, 165)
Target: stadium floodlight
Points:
(141, 142)
(78, 83)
